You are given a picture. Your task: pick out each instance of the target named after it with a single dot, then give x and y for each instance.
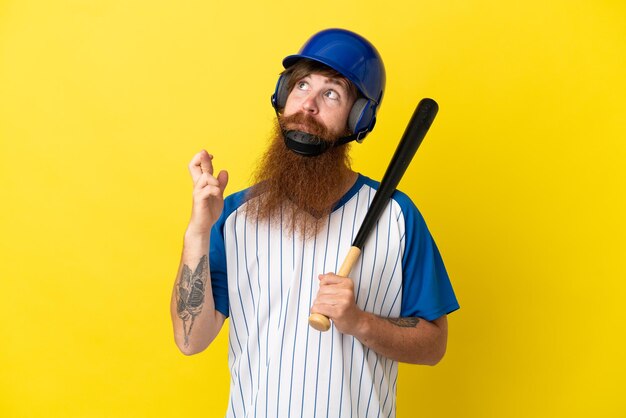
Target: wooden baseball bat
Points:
(414, 133)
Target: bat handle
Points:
(319, 321)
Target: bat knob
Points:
(319, 322)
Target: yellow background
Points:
(521, 180)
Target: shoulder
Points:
(236, 200)
(404, 202)
(233, 202)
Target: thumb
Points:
(222, 178)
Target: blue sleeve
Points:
(426, 289)
(217, 264)
(217, 252)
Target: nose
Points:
(310, 105)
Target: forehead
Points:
(341, 82)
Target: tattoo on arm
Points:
(404, 322)
(190, 291)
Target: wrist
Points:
(362, 325)
(194, 236)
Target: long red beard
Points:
(298, 191)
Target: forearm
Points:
(409, 340)
(195, 320)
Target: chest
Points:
(267, 266)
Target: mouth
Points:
(298, 127)
(301, 122)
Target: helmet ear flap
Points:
(361, 115)
(279, 98)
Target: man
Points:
(261, 256)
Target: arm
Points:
(409, 340)
(195, 320)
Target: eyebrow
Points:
(338, 81)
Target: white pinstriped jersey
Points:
(266, 280)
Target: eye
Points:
(332, 95)
(302, 85)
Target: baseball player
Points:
(262, 257)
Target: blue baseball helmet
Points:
(356, 59)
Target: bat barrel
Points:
(415, 132)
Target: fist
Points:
(335, 299)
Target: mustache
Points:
(304, 122)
